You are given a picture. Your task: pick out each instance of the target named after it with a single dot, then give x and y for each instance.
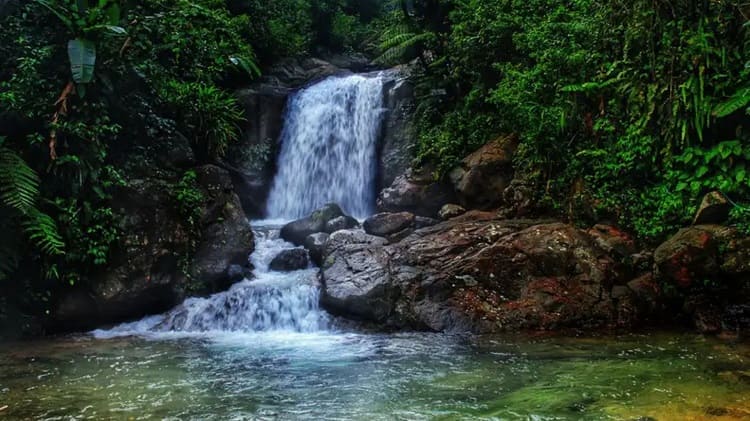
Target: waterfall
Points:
(328, 155)
(328, 148)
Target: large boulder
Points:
(384, 224)
(482, 177)
(691, 254)
(415, 191)
(290, 260)
(297, 231)
(714, 209)
(341, 223)
(475, 272)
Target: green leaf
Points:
(739, 100)
(82, 54)
(19, 184)
(702, 170)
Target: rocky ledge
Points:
(481, 273)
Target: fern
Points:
(19, 184)
(397, 42)
(739, 100)
(41, 229)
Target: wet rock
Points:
(399, 131)
(315, 245)
(483, 176)
(226, 237)
(518, 199)
(714, 209)
(383, 224)
(341, 223)
(691, 254)
(613, 240)
(476, 272)
(290, 260)
(296, 232)
(451, 211)
(424, 222)
(236, 273)
(417, 192)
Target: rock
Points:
(451, 211)
(691, 255)
(290, 260)
(226, 237)
(735, 257)
(714, 209)
(236, 273)
(476, 272)
(296, 232)
(357, 284)
(315, 245)
(416, 192)
(613, 240)
(383, 224)
(146, 273)
(518, 199)
(482, 177)
(399, 131)
(341, 223)
(424, 222)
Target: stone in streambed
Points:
(315, 245)
(290, 260)
(341, 223)
(296, 232)
(451, 211)
(714, 209)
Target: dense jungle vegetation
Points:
(627, 110)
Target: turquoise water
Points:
(314, 376)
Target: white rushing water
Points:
(329, 148)
(328, 155)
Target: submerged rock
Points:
(290, 260)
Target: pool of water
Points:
(285, 375)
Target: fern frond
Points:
(396, 43)
(739, 100)
(41, 229)
(19, 184)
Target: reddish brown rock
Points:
(483, 176)
(475, 272)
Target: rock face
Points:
(290, 260)
(417, 192)
(147, 273)
(483, 176)
(384, 224)
(297, 231)
(399, 131)
(478, 273)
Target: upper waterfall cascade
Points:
(329, 148)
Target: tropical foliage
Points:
(628, 110)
